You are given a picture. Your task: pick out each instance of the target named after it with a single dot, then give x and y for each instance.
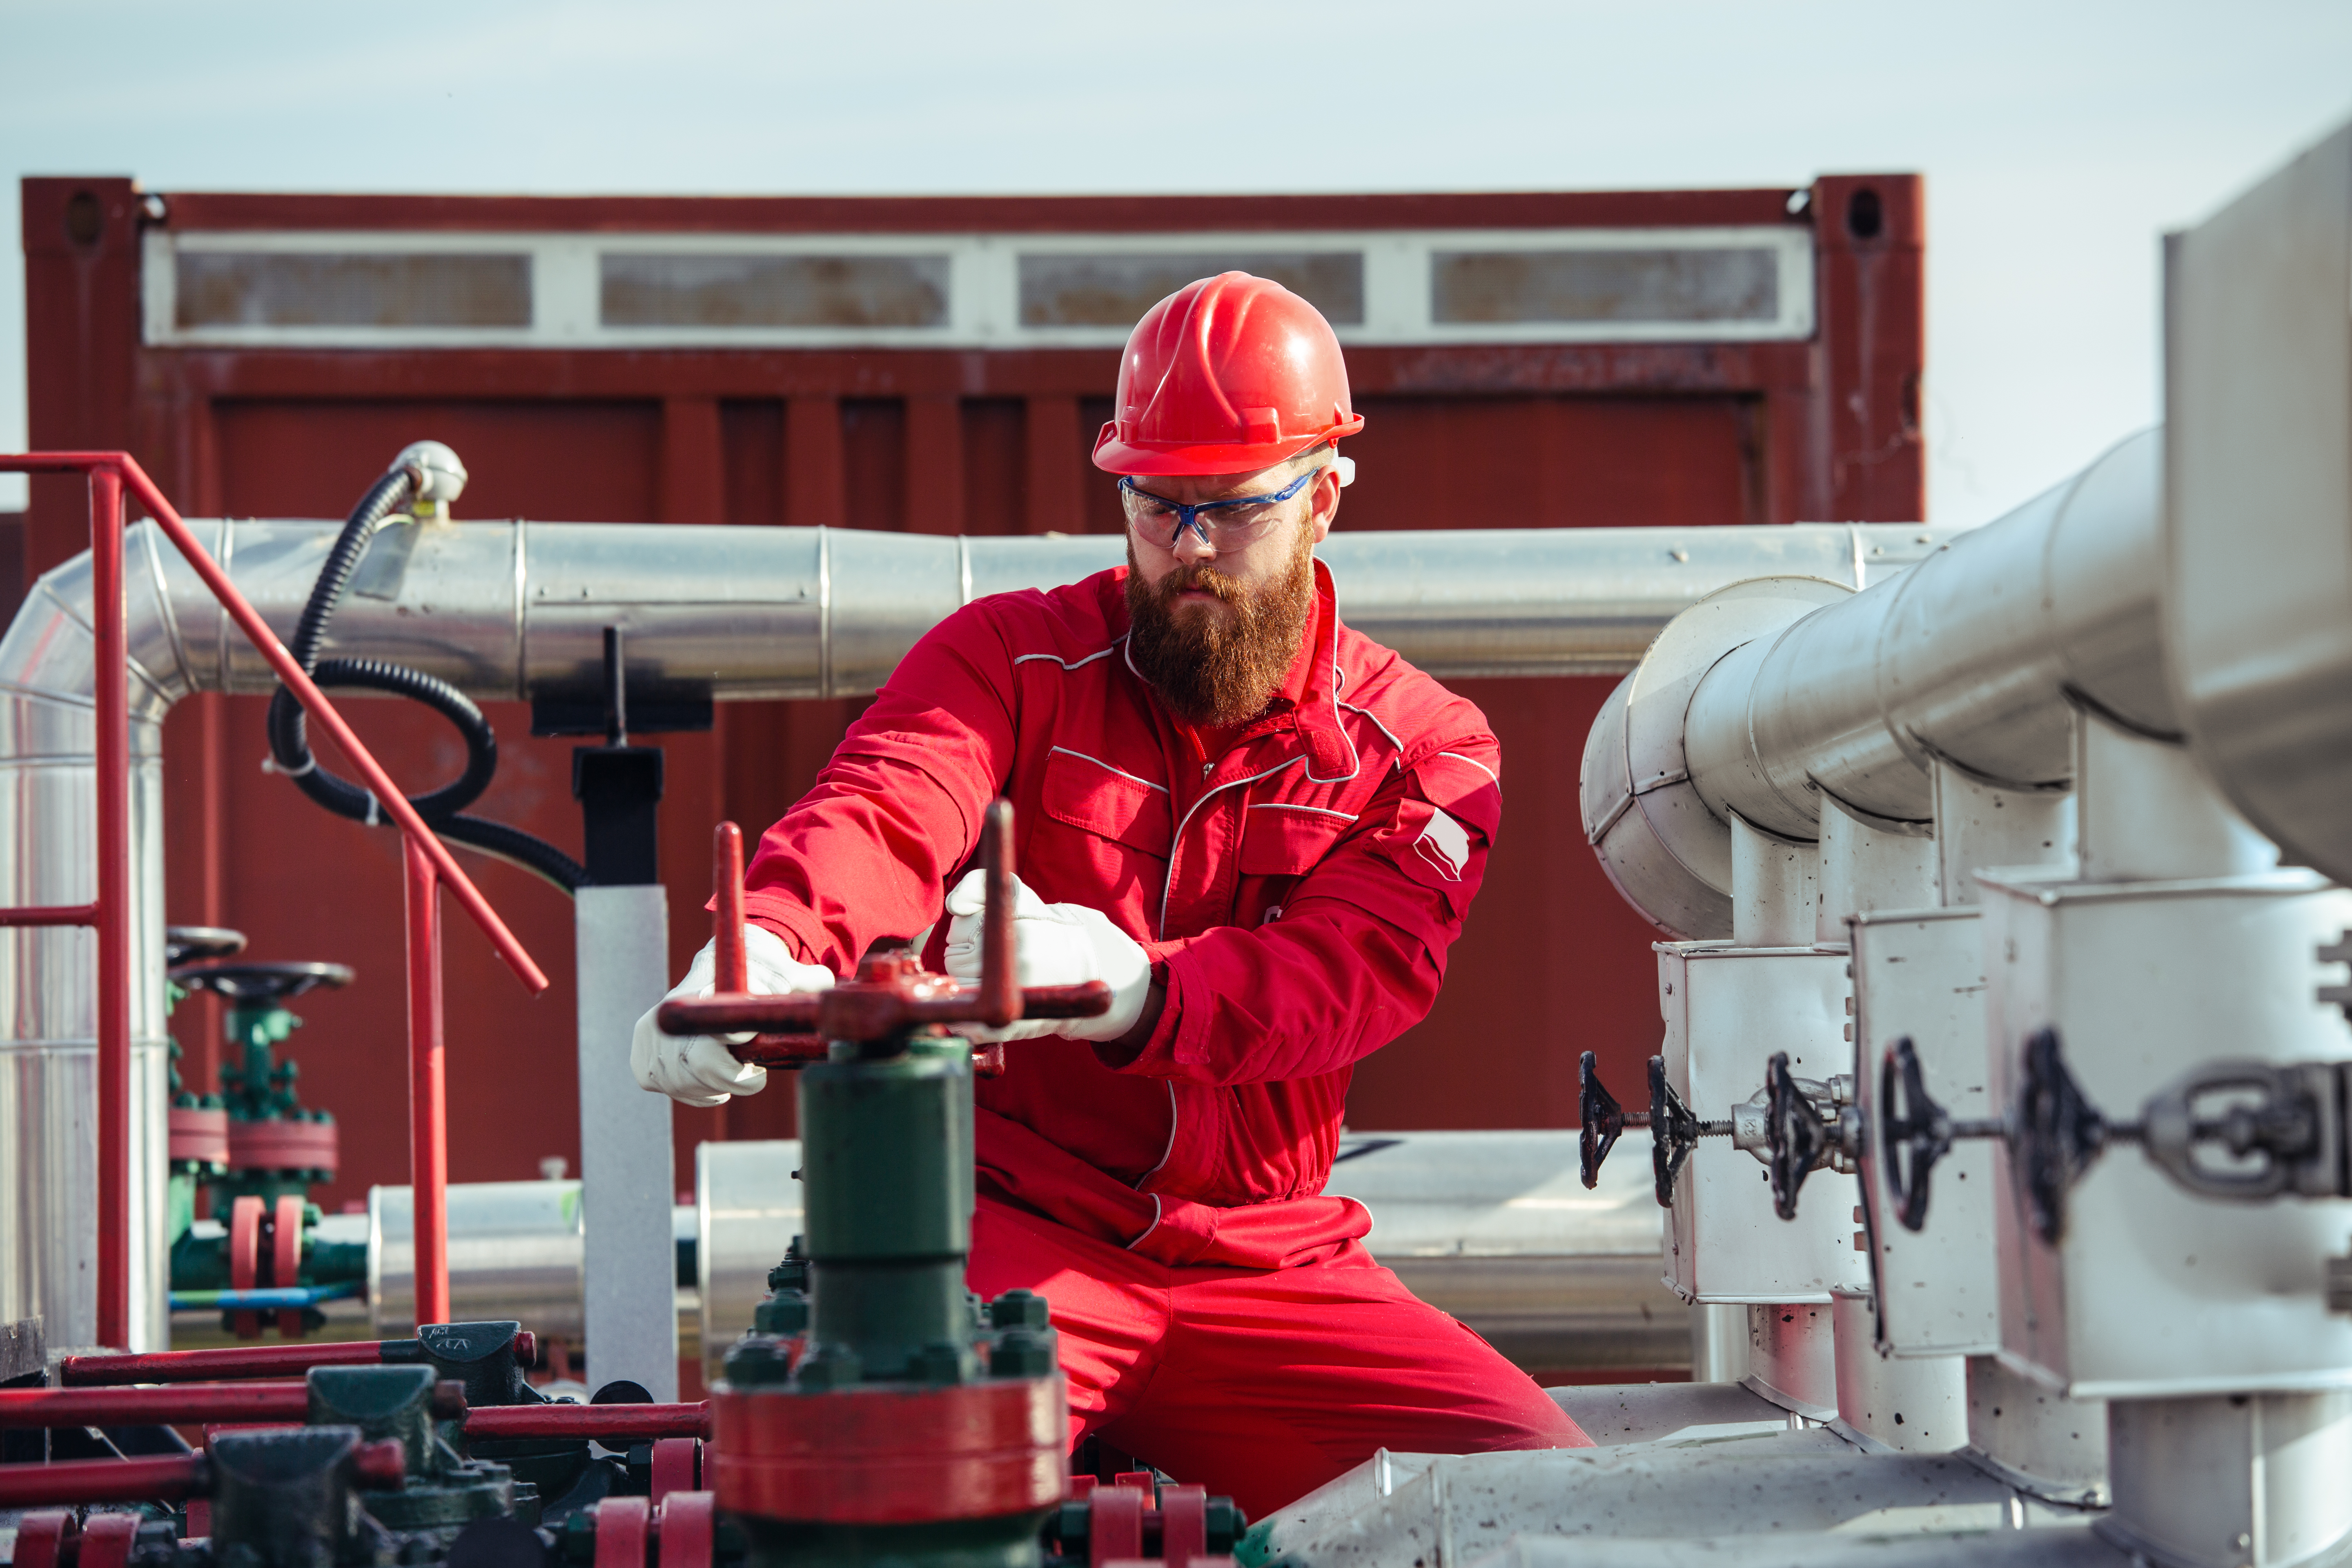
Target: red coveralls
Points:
(1297, 882)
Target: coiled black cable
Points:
(443, 808)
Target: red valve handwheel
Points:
(244, 1259)
(286, 1261)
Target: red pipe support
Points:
(113, 761)
(429, 1127)
(636, 1423)
(181, 1405)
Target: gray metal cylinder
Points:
(48, 993)
(515, 1251)
(1975, 657)
(517, 609)
(2252, 1479)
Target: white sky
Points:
(2058, 140)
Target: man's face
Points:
(1255, 563)
(1216, 630)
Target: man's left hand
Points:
(1053, 945)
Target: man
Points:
(1263, 831)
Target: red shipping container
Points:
(1539, 360)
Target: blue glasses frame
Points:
(1191, 516)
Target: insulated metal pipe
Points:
(1975, 657)
(509, 610)
(512, 610)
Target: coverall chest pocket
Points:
(1103, 824)
(1288, 840)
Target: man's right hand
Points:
(698, 1069)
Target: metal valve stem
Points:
(1674, 1130)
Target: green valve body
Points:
(887, 1161)
(876, 1416)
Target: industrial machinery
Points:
(520, 611)
(878, 1411)
(1972, 878)
(1971, 874)
(257, 1149)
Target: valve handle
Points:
(2277, 1121)
(1600, 1121)
(2060, 1133)
(185, 944)
(239, 982)
(1795, 1137)
(1914, 1131)
(1674, 1133)
(890, 993)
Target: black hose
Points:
(442, 808)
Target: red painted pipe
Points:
(636, 1423)
(181, 1404)
(378, 1466)
(429, 1127)
(112, 759)
(103, 1481)
(255, 1361)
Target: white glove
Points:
(1053, 945)
(698, 1069)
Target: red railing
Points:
(430, 868)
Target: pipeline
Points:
(1978, 658)
(517, 610)
(1797, 694)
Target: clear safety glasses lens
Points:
(1222, 525)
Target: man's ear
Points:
(1325, 505)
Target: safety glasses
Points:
(1222, 525)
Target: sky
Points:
(2059, 140)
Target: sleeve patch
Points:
(1443, 844)
(1464, 786)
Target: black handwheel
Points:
(1674, 1133)
(1794, 1137)
(186, 944)
(2058, 1133)
(1600, 1121)
(260, 981)
(1914, 1131)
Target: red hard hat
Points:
(1225, 376)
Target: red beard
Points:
(1217, 667)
